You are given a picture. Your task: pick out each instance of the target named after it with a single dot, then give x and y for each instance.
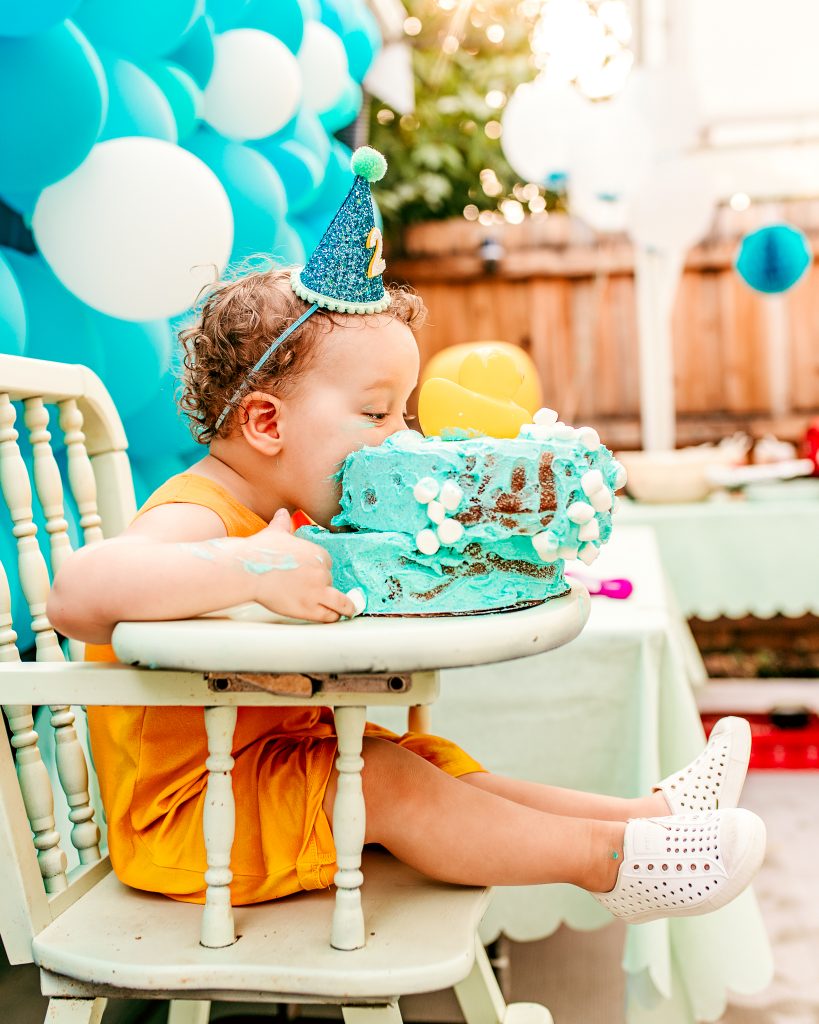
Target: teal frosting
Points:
(399, 580)
(507, 492)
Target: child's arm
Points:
(175, 562)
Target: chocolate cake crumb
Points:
(369, 497)
(518, 478)
(394, 588)
(548, 498)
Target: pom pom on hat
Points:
(369, 164)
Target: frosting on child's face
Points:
(354, 393)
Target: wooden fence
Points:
(567, 297)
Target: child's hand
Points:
(292, 576)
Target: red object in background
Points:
(781, 740)
(810, 445)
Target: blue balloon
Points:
(12, 312)
(358, 30)
(362, 44)
(21, 617)
(300, 170)
(226, 14)
(338, 181)
(288, 248)
(181, 92)
(254, 188)
(57, 325)
(284, 19)
(24, 19)
(53, 98)
(160, 428)
(149, 28)
(346, 108)
(306, 128)
(136, 104)
(137, 357)
(195, 53)
(23, 203)
(310, 9)
(772, 259)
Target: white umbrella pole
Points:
(656, 277)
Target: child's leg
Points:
(570, 802)
(465, 834)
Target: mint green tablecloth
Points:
(612, 712)
(737, 558)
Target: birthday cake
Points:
(432, 526)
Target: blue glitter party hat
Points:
(344, 272)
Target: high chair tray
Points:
(357, 645)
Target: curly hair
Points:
(237, 321)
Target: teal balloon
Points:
(338, 181)
(196, 52)
(226, 14)
(23, 203)
(18, 18)
(136, 104)
(300, 170)
(774, 258)
(283, 19)
(358, 30)
(159, 429)
(306, 128)
(310, 232)
(362, 45)
(254, 188)
(57, 325)
(12, 312)
(137, 357)
(182, 93)
(288, 248)
(20, 615)
(53, 98)
(346, 110)
(149, 28)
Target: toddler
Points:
(286, 373)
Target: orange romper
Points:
(151, 766)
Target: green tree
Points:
(467, 62)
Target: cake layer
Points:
(493, 488)
(399, 580)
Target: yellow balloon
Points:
(481, 401)
(447, 363)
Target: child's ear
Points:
(261, 422)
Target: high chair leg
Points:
(481, 1000)
(189, 1011)
(75, 1011)
(387, 1014)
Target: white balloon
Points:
(611, 150)
(674, 206)
(324, 69)
(606, 214)
(137, 229)
(665, 98)
(255, 88)
(537, 128)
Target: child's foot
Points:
(685, 864)
(715, 778)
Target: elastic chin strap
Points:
(269, 352)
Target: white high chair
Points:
(387, 931)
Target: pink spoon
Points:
(617, 589)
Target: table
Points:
(737, 558)
(612, 712)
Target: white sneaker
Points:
(685, 864)
(714, 779)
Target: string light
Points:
(739, 201)
(493, 129)
(495, 33)
(495, 99)
(471, 212)
(412, 26)
(385, 116)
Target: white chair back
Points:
(40, 885)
